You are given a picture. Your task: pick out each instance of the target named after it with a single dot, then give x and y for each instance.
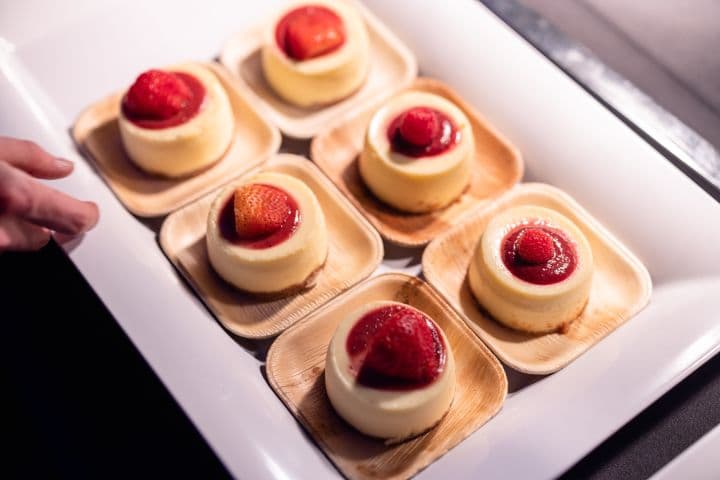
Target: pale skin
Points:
(32, 212)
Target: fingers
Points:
(32, 159)
(36, 203)
(18, 235)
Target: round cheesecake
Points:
(418, 152)
(315, 52)
(176, 122)
(532, 269)
(266, 235)
(389, 371)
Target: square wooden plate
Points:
(355, 250)
(96, 132)
(295, 369)
(621, 284)
(498, 166)
(392, 67)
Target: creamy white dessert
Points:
(426, 171)
(267, 235)
(315, 52)
(177, 146)
(397, 384)
(532, 269)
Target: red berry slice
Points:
(419, 126)
(536, 246)
(157, 95)
(310, 32)
(405, 347)
(260, 210)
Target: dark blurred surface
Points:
(80, 400)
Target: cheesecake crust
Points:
(561, 329)
(303, 286)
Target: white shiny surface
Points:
(69, 54)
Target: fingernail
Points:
(63, 164)
(96, 216)
(62, 238)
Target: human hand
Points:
(31, 212)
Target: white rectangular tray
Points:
(68, 55)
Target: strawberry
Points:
(157, 95)
(260, 210)
(405, 347)
(311, 32)
(419, 126)
(535, 246)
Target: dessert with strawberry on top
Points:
(532, 269)
(177, 121)
(389, 371)
(418, 152)
(315, 52)
(266, 235)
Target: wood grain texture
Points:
(295, 369)
(97, 134)
(355, 250)
(392, 66)
(498, 166)
(621, 284)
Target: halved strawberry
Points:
(260, 210)
(405, 348)
(312, 31)
(535, 245)
(157, 95)
(419, 126)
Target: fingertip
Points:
(94, 216)
(41, 239)
(63, 166)
(62, 238)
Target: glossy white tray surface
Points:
(58, 57)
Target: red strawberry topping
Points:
(157, 95)
(261, 210)
(535, 246)
(309, 32)
(419, 126)
(395, 347)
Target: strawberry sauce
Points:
(270, 236)
(395, 348)
(539, 254)
(422, 132)
(179, 106)
(309, 31)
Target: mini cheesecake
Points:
(266, 235)
(315, 52)
(418, 152)
(389, 371)
(532, 269)
(176, 122)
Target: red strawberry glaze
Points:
(396, 348)
(309, 31)
(539, 254)
(422, 132)
(268, 230)
(161, 99)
